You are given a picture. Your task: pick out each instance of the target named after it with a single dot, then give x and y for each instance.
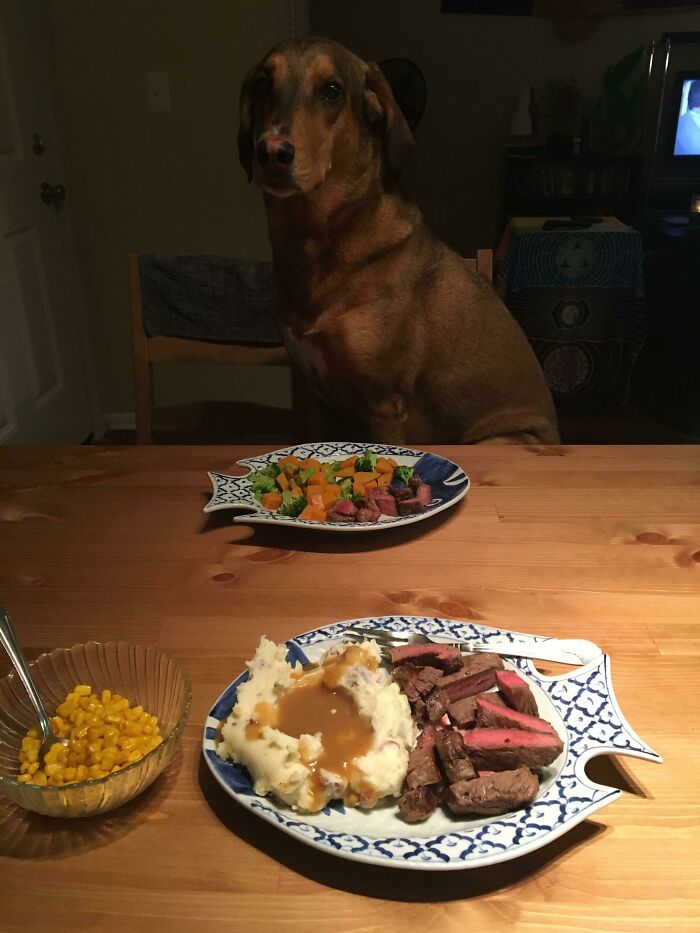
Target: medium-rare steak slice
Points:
(446, 657)
(416, 804)
(516, 692)
(462, 713)
(503, 749)
(453, 756)
(424, 495)
(502, 717)
(477, 674)
(494, 793)
(343, 511)
(384, 501)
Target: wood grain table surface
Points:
(593, 542)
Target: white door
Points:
(46, 396)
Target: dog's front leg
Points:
(387, 420)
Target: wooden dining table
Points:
(595, 542)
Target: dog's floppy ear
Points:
(381, 109)
(245, 129)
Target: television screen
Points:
(687, 138)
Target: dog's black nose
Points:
(277, 149)
(285, 153)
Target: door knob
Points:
(51, 194)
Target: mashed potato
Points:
(342, 730)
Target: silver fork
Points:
(576, 651)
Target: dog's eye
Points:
(262, 87)
(331, 91)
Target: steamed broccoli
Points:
(330, 469)
(367, 462)
(345, 484)
(403, 473)
(303, 476)
(292, 505)
(262, 482)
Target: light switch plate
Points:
(158, 92)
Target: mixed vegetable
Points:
(310, 489)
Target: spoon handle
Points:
(10, 643)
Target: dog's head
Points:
(311, 106)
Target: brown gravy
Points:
(346, 734)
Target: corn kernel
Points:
(105, 734)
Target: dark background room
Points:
(565, 113)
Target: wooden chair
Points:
(482, 263)
(149, 351)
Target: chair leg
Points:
(143, 399)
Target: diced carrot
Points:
(271, 500)
(289, 460)
(282, 481)
(317, 479)
(358, 488)
(314, 496)
(294, 489)
(305, 464)
(346, 471)
(290, 470)
(372, 484)
(349, 462)
(330, 495)
(385, 479)
(313, 513)
(366, 477)
(383, 465)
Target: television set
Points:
(686, 125)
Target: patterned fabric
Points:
(214, 298)
(579, 297)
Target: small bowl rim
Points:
(170, 738)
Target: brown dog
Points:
(389, 323)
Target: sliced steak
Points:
(446, 657)
(411, 506)
(416, 804)
(516, 692)
(416, 681)
(493, 793)
(462, 713)
(424, 495)
(478, 673)
(343, 511)
(453, 756)
(367, 510)
(414, 481)
(401, 492)
(384, 501)
(435, 704)
(423, 769)
(501, 717)
(503, 749)
(425, 741)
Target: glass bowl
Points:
(144, 675)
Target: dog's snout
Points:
(275, 149)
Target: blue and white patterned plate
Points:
(448, 484)
(581, 705)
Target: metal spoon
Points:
(10, 643)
